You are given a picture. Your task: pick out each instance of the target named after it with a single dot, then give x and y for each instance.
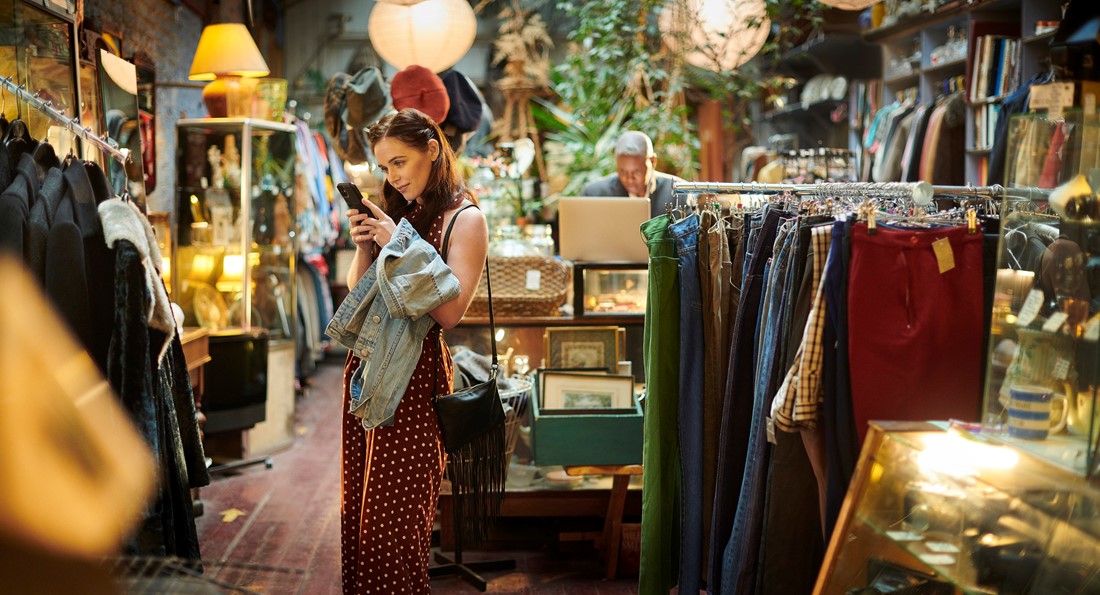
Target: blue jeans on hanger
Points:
(742, 551)
(690, 405)
(842, 444)
(737, 411)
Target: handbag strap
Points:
(488, 286)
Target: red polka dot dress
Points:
(391, 477)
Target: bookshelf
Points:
(1015, 53)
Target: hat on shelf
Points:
(420, 88)
(465, 112)
(352, 103)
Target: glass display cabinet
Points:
(1044, 369)
(934, 511)
(232, 271)
(601, 288)
(233, 261)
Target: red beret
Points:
(420, 88)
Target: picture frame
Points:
(582, 347)
(539, 372)
(586, 391)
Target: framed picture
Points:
(583, 347)
(539, 372)
(573, 390)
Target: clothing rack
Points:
(919, 193)
(105, 143)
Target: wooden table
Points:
(609, 501)
(196, 352)
(616, 504)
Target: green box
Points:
(579, 438)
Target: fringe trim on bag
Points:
(478, 472)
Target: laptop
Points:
(602, 228)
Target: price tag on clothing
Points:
(1031, 307)
(945, 255)
(534, 280)
(1061, 369)
(1055, 322)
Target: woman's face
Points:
(407, 168)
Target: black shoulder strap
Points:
(488, 284)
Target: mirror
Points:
(118, 91)
(146, 97)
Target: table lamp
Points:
(226, 53)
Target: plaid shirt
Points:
(799, 398)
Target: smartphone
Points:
(353, 197)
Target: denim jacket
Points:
(385, 318)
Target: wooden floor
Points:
(277, 530)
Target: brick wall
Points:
(169, 35)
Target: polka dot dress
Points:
(391, 477)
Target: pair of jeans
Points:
(738, 402)
(841, 444)
(742, 551)
(661, 483)
(715, 280)
(690, 406)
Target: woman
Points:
(391, 474)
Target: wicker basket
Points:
(511, 296)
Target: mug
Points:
(1029, 412)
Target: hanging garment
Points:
(738, 402)
(932, 141)
(391, 476)
(841, 442)
(690, 404)
(716, 282)
(741, 552)
(65, 275)
(659, 556)
(143, 369)
(15, 208)
(918, 295)
(1015, 103)
(910, 158)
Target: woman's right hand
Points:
(360, 233)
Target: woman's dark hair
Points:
(445, 187)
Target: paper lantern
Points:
(724, 33)
(848, 4)
(434, 34)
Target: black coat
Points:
(161, 404)
(15, 207)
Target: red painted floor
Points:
(286, 538)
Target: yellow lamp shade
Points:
(724, 33)
(227, 49)
(434, 34)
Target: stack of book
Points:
(996, 68)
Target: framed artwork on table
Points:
(582, 347)
(587, 392)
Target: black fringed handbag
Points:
(472, 424)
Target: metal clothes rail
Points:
(104, 143)
(919, 193)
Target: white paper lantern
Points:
(434, 34)
(726, 33)
(848, 4)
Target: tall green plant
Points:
(616, 77)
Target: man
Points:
(635, 163)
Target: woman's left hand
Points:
(380, 228)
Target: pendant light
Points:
(724, 34)
(848, 4)
(434, 34)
